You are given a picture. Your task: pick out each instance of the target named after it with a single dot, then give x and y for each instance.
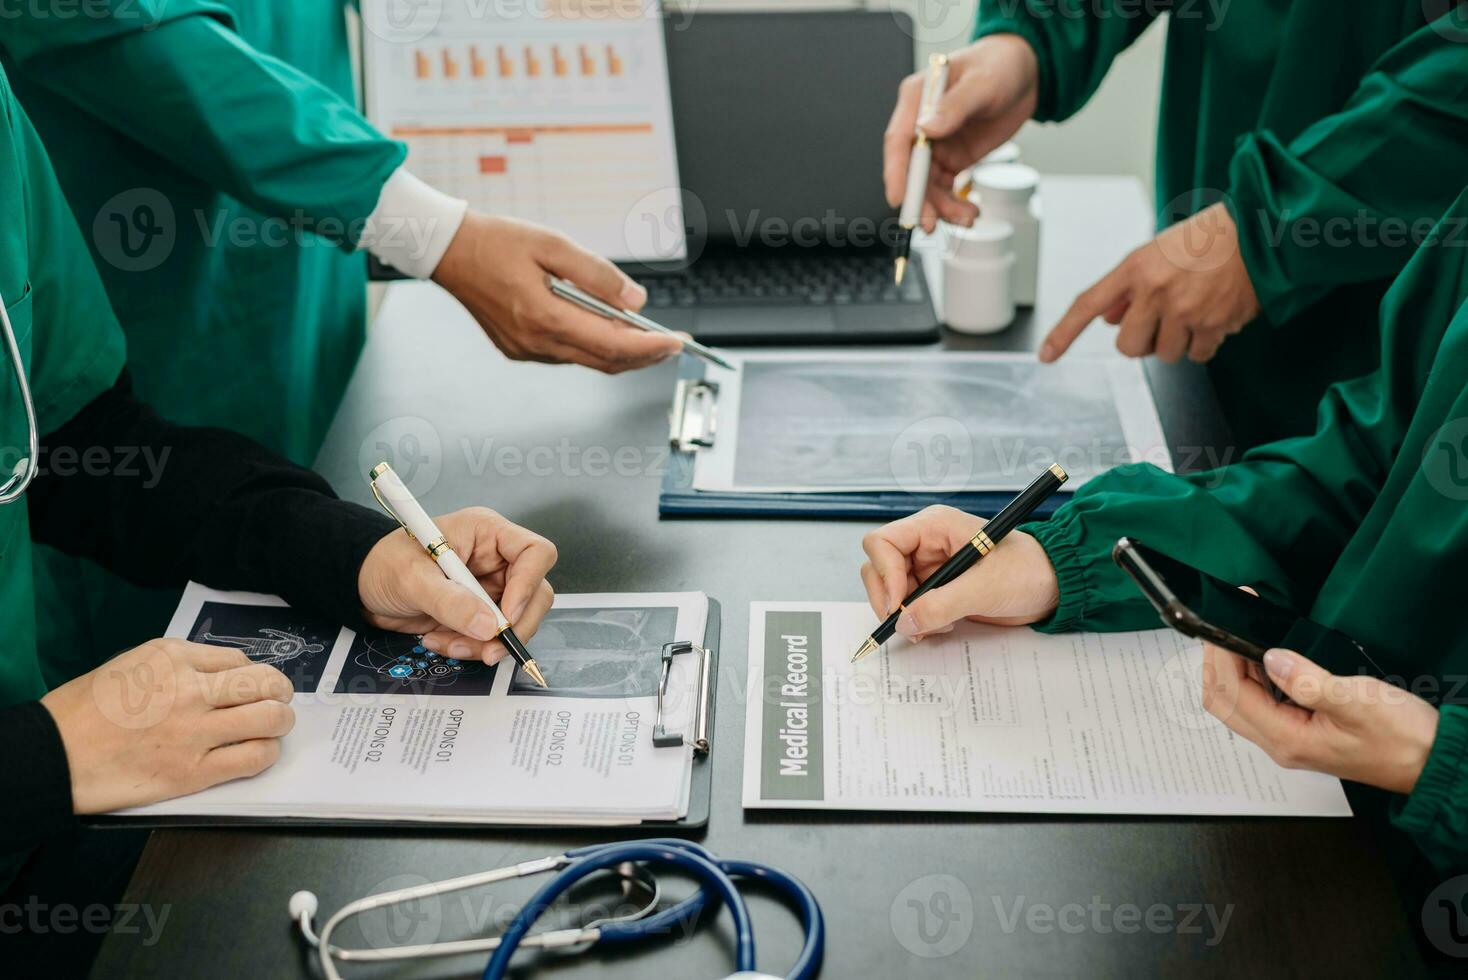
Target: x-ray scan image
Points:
(599, 653)
(925, 423)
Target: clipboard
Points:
(693, 426)
(700, 788)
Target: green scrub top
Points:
(1335, 130)
(203, 145)
(72, 348)
(1362, 526)
(214, 159)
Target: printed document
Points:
(386, 729)
(997, 719)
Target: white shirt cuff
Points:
(412, 225)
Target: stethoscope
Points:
(25, 470)
(625, 859)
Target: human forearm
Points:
(162, 503)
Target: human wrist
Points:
(1037, 578)
(1017, 51)
(1015, 45)
(1421, 735)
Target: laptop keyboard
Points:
(816, 280)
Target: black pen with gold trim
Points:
(403, 507)
(1015, 513)
(920, 165)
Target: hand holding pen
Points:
(922, 578)
(439, 579)
(575, 295)
(993, 87)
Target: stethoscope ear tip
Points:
(303, 903)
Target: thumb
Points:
(933, 610)
(597, 276)
(455, 607)
(1300, 678)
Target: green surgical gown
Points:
(72, 348)
(1362, 526)
(1335, 130)
(213, 157)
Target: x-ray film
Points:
(924, 423)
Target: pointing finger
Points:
(1099, 299)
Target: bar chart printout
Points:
(553, 111)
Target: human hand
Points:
(166, 719)
(403, 590)
(1184, 292)
(1013, 585)
(993, 87)
(1357, 728)
(497, 268)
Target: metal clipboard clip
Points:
(695, 414)
(661, 737)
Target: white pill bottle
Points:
(978, 276)
(1010, 192)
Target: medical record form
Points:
(997, 719)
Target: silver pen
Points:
(573, 293)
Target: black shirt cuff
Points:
(37, 791)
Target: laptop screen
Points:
(778, 119)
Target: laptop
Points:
(730, 161)
(778, 119)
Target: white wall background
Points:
(1114, 134)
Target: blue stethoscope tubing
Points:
(715, 879)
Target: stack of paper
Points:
(386, 730)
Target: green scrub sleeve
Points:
(1436, 813)
(1277, 520)
(197, 94)
(1351, 197)
(1075, 43)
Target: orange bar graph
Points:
(450, 66)
(558, 61)
(422, 67)
(507, 67)
(532, 63)
(588, 65)
(493, 165)
(614, 63)
(476, 63)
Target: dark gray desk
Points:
(1034, 896)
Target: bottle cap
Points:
(1006, 181)
(987, 238)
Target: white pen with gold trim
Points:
(404, 508)
(920, 166)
